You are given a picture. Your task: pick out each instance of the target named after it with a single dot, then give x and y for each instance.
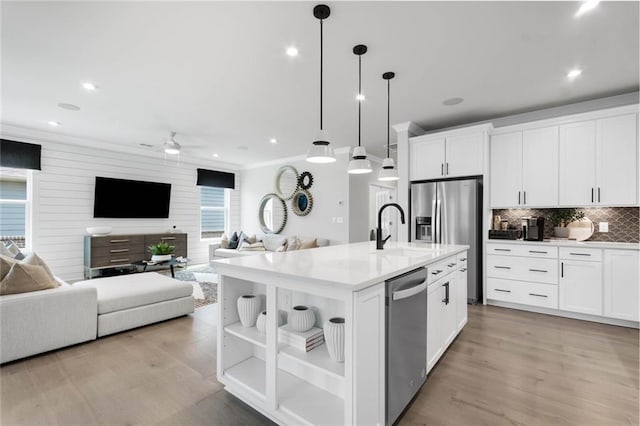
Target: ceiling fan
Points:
(172, 148)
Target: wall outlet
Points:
(603, 227)
(340, 219)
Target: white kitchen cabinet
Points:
(598, 162)
(449, 309)
(427, 158)
(621, 282)
(580, 286)
(524, 168)
(448, 154)
(616, 160)
(461, 293)
(435, 342)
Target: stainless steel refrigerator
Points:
(450, 212)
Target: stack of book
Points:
(304, 341)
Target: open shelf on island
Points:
(317, 358)
(250, 334)
(307, 402)
(251, 374)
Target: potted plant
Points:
(560, 218)
(161, 252)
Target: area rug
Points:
(204, 281)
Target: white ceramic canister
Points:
(334, 338)
(301, 318)
(248, 309)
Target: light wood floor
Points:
(506, 367)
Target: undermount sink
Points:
(399, 251)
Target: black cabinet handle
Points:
(538, 295)
(464, 259)
(504, 291)
(524, 196)
(436, 272)
(442, 169)
(518, 197)
(561, 269)
(502, 267)
(598, 194)
(451, 265)
(447, 169)
(463, 270)
(499, 249)
(538, 251)
(592, 195)
(538, 270)
(579, 254)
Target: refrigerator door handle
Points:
(438, 217)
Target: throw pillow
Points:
(273, 242)
(308, 244)
(233, 241)
(6, 262)
(14, 250)
(34, 259)
(224, 241)
(247, 246)
(281, 249)
(293, 243)
(23, 278)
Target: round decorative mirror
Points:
(302, 203)
(287, 182)
(306, 180)
(272, 214)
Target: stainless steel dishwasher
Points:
(406, 337)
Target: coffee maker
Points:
(532, 228)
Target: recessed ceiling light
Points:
(215, 155)
(292, 51)
(273, 140)
(70, 107)
(360, 97)
(89, 86)
(587, 6)
(452, 101)
(53, 123)
(574, 73)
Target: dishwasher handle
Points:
(411, 291)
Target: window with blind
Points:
(213, 211)
(13, 206)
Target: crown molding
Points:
(408, 126)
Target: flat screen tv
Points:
(135, 199)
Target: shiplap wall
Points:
(63, 202)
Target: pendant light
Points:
(321, 151)
(359, 164)
(388, 170)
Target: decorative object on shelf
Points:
(305, 180)
(303, 341)
(99, 231)
(334, 337)
(388, 170)
(359, 163)
(321, 151)
(301, 318)
(560, 218)
(261, 322)
(302, 203)
(161, 252)
(272, 214)
(248, 309)
(287, 182)
(581, 230)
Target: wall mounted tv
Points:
(131, 199)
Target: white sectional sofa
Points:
(216, 251)
(39, 321)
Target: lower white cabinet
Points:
(580, 286)
(621, 282)
(446, 307)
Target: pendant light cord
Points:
(388, 114)
(359, 94)
(321, 49)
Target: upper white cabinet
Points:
(449, 154)
(524, 168)
(598, 162)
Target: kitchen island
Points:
(296, 387)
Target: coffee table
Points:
(174, 261)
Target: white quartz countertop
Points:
(572, 243)
(349, 266)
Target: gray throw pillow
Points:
(273, 242)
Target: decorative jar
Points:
(160, 257)
(301, 318)
(261, 323)
(334, 338)
(248, 309)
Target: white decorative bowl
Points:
(98, 231)
(301, 318)
(160, 257)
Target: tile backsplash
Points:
(624, 222)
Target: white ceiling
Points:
(217, 73)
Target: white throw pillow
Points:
(294, 243)
(273, 242)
